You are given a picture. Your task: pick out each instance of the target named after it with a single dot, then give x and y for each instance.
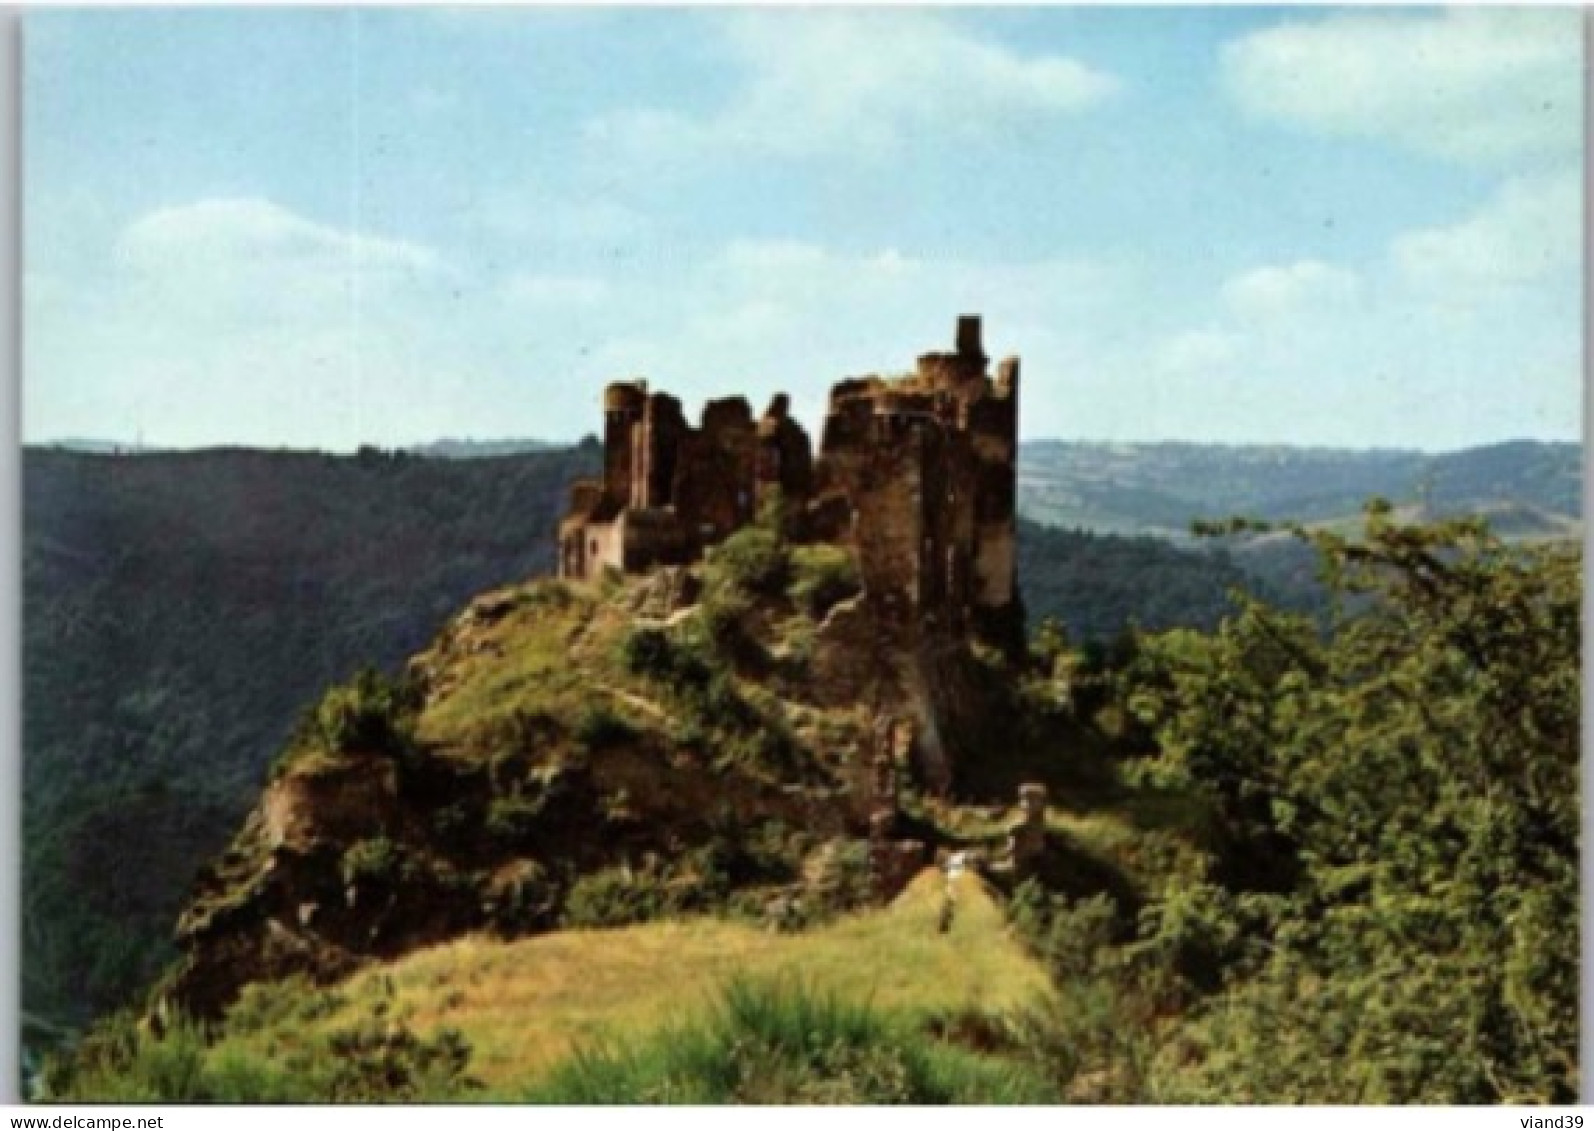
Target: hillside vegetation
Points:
(525, 1007)
(181, 610)
(1371, 834)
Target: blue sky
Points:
(322, 228)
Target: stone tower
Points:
(916, 474)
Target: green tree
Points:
(1398, 802)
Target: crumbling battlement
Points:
(916, 474)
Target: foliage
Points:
(1097, 585)
(753, 561)
(699, 879)
(822, 576)
(614, 897)
(376, 1059)
(1400, 803)
(377, 861)
(600, 727)
(654, 654)
(647, 651)
(180, 611)
(774, 1043)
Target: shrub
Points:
(652, 654)
(822, 577)
(753, 561)
(599, 728)
(379, 862)
(371, 714)
(373, 1060)
(723, 617)
(648, 652)
(292, 1001)
(512, 820)
(613, 897)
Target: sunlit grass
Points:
(525, 1005)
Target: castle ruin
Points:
(916, 475)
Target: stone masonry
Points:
(915, 474)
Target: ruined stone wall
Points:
(623, 406)
(654, 537)
(785, 463)
(605, 547)
(917, 474)
(887, 496)
(658, 443)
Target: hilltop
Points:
(571, 753)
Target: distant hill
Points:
(179, 611)
(449, 448)
(97, 447)
(1157, 489)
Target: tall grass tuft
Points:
(782, 1043)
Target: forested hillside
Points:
(180, 610)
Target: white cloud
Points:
(1530, 230)
(1477, 85)
(237, 318)
(1272, 293)
(1197, 352)
(861, 81)
(250, 232)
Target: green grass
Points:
(524, 661)
(874, 981)
(786, 1043)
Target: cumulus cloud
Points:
(1278, 292)
(1487, 86)
(245, 232)
(1530, 230)
(237, 318)
(862, 81)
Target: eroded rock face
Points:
(342, 802)
(289, 895)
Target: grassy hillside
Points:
(181, 610)
(525, 1005)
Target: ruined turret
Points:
(917, 475)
